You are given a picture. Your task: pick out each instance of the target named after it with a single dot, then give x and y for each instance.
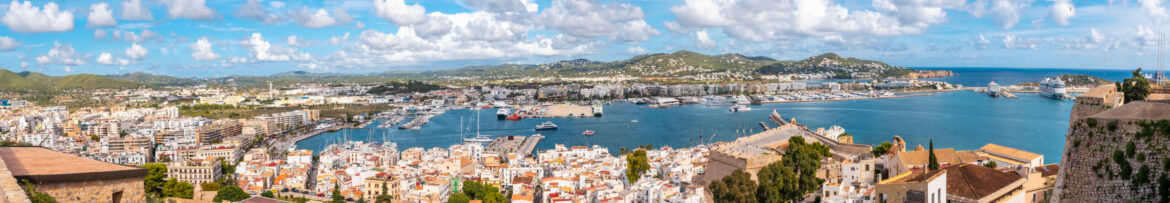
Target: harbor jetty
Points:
(417, 122)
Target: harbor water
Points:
(960, 119)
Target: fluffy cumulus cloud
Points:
(134, 10)
(136, 52)
(60, 54)
(321, 18)
(703, 41)
(108, 59)
(100, 15)
(763, 20)
(397, 12)
(338, 39)
(201, 50)
(264, 51)
(1006, 13)
(28, 18)
(1061, 11)
(591, 19)
(1145, 36)
(189, 9)
(1154, 10)
(1013, 42)
(8, 44)
(255, 10)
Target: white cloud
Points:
(234, 59)
(777, 20)
(108, 59)
(99, 34)
(338, 39)
(68, 69)
(1012, 42)
(702, 41)
(981, 42)
(23, 64)
(8, 44)
(136, 52)
(1154, 10)
(264, 51)
(296, 41)
(253, 9)
(397, 12)
(143, 36)
(1006, 13)
(24, 17)
(201, 50)
(100, 15)
(321, 18)
(60, 54)
(591, 19)
(190, 9)
(134, 10)
(1146, 36)
(1061, 11)
(636, 50)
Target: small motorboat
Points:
(633, 121)
(588, 132)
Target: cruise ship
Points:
(547, 125)
(1053, 87)
(993, 89)
(503, 113)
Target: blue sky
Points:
(210, 38)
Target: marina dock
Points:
(417, 122)
(515, 143)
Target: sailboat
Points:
(479, 138)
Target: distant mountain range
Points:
(22, 81)
(662, 65)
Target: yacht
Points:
(479, 138)
(1053, 87)
(739, 107)
(547, 125)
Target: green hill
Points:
(158, 80)
(10, 81)
(841, 67)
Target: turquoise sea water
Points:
(961, 120)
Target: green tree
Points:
(180, 189)
(156, 174)
(1136, 88)
(459, 198)
(487, 193)
(991, 164)
(209, 186)
(337, 198)
(933, 165)
(881, 149)
(267, 193)
(737, 187)
(778, 183)
(636, 165)
(384, 197)
(230, 193)
(804, 159)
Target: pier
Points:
(519, 144)
(417, 122)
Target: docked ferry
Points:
(503, 113)
(1053, 87)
